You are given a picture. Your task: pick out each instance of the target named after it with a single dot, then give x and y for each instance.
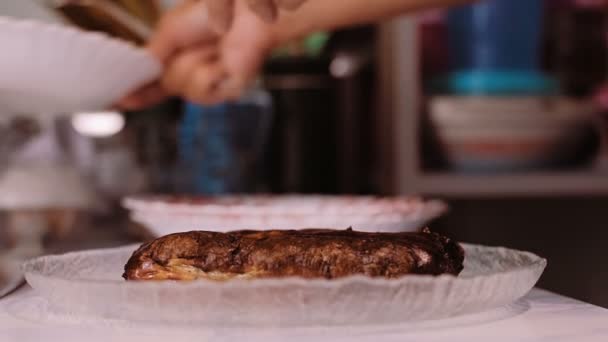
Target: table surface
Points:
(541, 316)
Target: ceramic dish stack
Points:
(165, 215)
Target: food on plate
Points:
(312, 253)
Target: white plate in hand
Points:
(55, 69)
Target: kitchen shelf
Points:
(400, 120)
(563, 183)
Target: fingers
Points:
(147, 96)
(196, 21)
(197, 75)
(221, 14)
(289, 5)
(205, 85)
(181, 68)
(183, 27)
(265, 9)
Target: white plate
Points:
(90, 284)
(159, 225)
(11, 276)
(165, 215)
(274, 204)
(54, 69)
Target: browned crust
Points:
(302, 253)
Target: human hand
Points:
(201, 66)
(222, 12)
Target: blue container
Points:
(220, 146)
(496, 35)
(495, 83)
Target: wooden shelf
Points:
(587, 183)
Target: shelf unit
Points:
(399, 122)
(585, 183)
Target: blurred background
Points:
(497, 107)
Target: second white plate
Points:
(163, 215)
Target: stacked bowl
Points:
(513, 133)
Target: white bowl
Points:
(506, 112)
(508, 134)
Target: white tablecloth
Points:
(547, 317)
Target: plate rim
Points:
(28, 24)
(403, 205)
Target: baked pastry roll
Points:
(311, 253)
